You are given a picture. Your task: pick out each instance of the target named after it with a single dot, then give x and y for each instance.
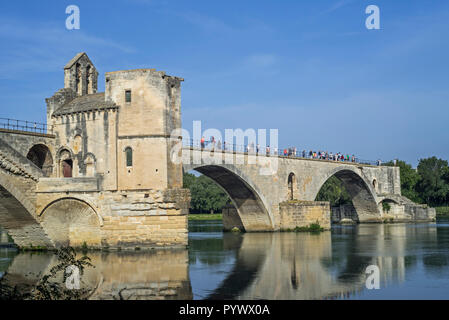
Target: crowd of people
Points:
(212, 144)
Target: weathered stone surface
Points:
(304, 213)
(231, 219)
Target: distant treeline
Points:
(427, 184)
(206, 195)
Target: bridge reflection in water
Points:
(313, 266)
(255, 265)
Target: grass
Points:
(204, 217)
(442, 211)
(314, 228)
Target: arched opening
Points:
(72, 222)
(78, 79)
(292, 187)
(249, 207)
(65, 164)
(375, 184)
(388, 206)
(41, 156)
(16, 217)
(88, 79)
(350, 198)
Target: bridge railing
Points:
(22, 125)
(280, 152)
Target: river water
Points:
(413, 262)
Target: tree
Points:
(334, 192)
(409, 180)
(188, 180)
(206, 195)
(433, 185)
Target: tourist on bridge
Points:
(203, 142)
(212, 142)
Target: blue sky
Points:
(308, 68)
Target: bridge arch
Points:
(362, 192)
(247, 199)
(17, 212)
(72, 221)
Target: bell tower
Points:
(80, 75)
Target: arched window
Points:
(129, 157)
(88, 81)
(78, 79)
(292, 187)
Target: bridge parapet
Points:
(23, 126)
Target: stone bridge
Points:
(262, 187)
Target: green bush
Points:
(442, 211)
(314, 227)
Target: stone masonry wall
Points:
(303, 213)
(126, 219)
(231, 219)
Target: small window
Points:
(127, 95)
(129, 157)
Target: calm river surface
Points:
(413, 260)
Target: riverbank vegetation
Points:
(203, 217)
(314, 228)
(442, 212)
